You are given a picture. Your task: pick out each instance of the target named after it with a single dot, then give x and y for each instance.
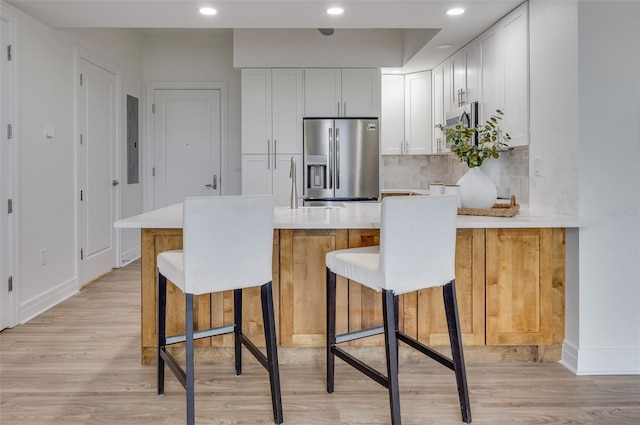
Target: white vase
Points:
(477, 190)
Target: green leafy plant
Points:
(491, 143)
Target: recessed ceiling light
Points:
(444, 46)
(208, 11)
(455, 11)
(335, 11)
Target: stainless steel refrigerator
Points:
(341, 159)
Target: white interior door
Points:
(7, 155)
(187, 137)
(97, 169)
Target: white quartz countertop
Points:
(355, 215)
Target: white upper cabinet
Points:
(348, 92)
(504, 74)
(406, 122)
(464, 75)
(417, 113)
(272, 105)
(392, 116)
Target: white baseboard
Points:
(601, 361)
(45, 301)
(129, 256)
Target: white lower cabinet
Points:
(269, 174)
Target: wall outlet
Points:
(43, 257)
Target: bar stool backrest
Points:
(417, 241)
(227, 242)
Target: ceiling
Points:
(285, 14)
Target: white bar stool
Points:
(227, 245)
(417, 251)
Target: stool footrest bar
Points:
(174, 339)
(363, 333)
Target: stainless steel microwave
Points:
(468, 115)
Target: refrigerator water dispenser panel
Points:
(316, 171)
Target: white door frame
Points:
(149, 151)
(81, 53)
(9, 178)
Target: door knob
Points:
(115, 183)
(215, 182)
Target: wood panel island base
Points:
(509, 280)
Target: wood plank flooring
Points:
(79, 363)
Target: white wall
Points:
(203, 56)
(553, 107)
(46, 193)
(373, 48)
(609, 132)
(585, 126)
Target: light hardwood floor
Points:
(79, 363)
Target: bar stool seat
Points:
(227, 245)
(416, 251)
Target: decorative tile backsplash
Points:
(510, 172)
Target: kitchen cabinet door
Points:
(470, 294)
(272, 106)
(516, 76)
(322, 92)
(257, 174)
(464, 75)
(287, 105)
(392, 116)
(360, 92)
(256, 111)
(269, 174)
(281, 181)
(504, 74)
(303, 286)
(525, 286)
(439, 143)
(418, 118)
(335, 92)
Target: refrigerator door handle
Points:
(330, 159)
(337, 158)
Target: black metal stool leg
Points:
(190, 381)
(391, 347)
(237, 320)
(268, 316)
(453, 323)
(162, 320)
(331, 328)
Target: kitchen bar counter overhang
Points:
(510, 278)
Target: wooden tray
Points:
(498, 210)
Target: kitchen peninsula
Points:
(510, 277)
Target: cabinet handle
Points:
(268, 154)
(344, 109)
(275, 152)
(338, 108)
(401, 147)
(406, 150)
